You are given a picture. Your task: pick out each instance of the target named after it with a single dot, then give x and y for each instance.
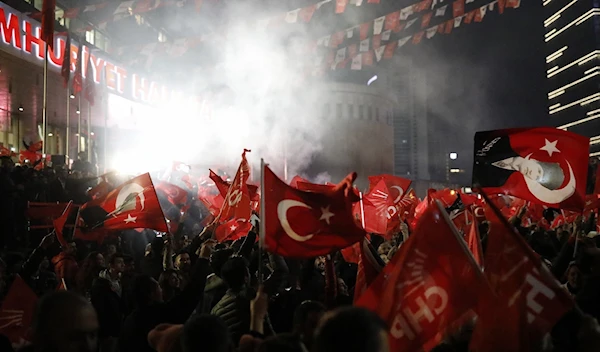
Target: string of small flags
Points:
(358, 58)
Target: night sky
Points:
(487, 75)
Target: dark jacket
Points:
(234, 309)
(134, 334)
(109, 307)
(214, 291)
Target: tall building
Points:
(572, 29)
(411, 142)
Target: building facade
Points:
(573, 70)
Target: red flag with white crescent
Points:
(542, 165)
(304, 224)
(134, 204)
(236, 204)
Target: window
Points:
(162, 37)
(350, 111)
(338, 111)
(59, 15)
(38, 4)
(361, 112)
(100, 41)
(89, 36)
(139, 20)
(370, 112)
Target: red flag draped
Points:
(528, 300)
(542, 165)
(307, 224)
(65, 70)
(90, 85)
(368, 268)
(421, 292)
(48, 7)
(78, 77)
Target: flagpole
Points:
(362, 210)
(78, 123)
(45, 101)
(285, 162)
(262, 223)
(104, 147)
(68, 131)
(89, 132)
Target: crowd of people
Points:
(141, 291)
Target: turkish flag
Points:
(65, 69)
(232, 230)
(236, 203)
(295, 180)
(407, 205)
(474, 243)
(528, 300)
(16, 313)
(59, 225)
(134, 204)
(430, 285)
(48, 8)
(303, 224)
(542, 165)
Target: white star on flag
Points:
(550, 147)
(326, 214)
(232, 227)
(130, 219)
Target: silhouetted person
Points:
(351, 329)
(64, 322)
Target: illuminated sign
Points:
(21, 37)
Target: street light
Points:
(453, 156)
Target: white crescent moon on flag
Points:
(400, 194)
(552, 196)
(124, 202)
(282, 209)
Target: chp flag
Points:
(431, 285)
(302, 224)
(527, 300)
(543, 165)
(134, 204)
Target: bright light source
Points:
(453, 156)
(50, 134)
(13, 149)
(452, 192)
(467, 190)
(92, 133)
(454, 171)
(21, 109)
(72, 96)
(77, 134)
(371, 80)
(78, 112)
